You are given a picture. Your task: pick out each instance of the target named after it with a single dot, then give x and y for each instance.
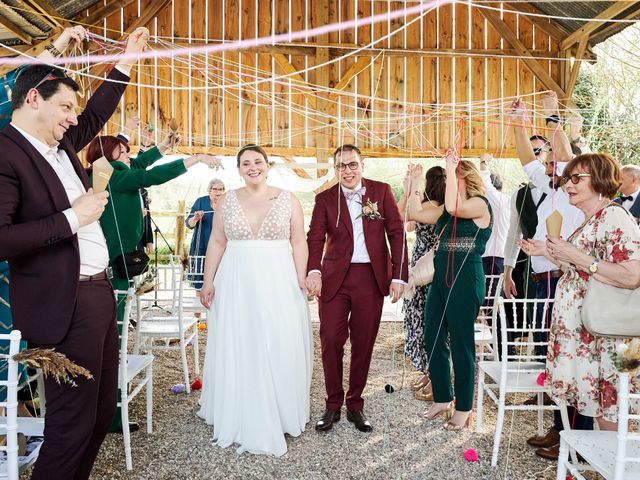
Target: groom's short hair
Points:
(347, 147)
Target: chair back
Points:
(11, 404)
(624, 417)
(126, 296)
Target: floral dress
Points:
(426, 237)
(580, 366)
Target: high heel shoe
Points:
(453, 427)
(424, 394)
(446, 411)
(420, 383)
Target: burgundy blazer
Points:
(331, 247)
(35, 237)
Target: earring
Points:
(600, 197)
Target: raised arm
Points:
(470, 208)
(523, 145)
(425, 213)
(560, 145)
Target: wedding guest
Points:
(122, 220)
(200, 219)
(580, 366)
(414, 200)
(630, 190)
(457, 291)
(57, 252)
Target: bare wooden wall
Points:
(435, 81)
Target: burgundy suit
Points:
(353, 293)
(49, 305)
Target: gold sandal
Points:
(424, 394)
(420, 383)
(453, 427)
(447, 412)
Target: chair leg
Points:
(499, 425)
(479, 402)
(563, 458)
(150, 398)
(185, 365)
(196, 351)
(540, 414)
(126, 434)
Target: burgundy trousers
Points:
(354, 313)
(78, 417)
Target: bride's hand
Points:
(302, 283)
(206, 296)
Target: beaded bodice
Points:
(276, 225)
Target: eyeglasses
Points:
(61, 74)
(341, 167)
(537, 151)
(575, 178)
(213, 189)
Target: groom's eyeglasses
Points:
(341, 167)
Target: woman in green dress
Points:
(457, 291)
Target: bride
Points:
(257, 369)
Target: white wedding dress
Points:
(257, 368)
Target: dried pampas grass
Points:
(628, 355)
(53, 364)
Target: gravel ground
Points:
(402, 445)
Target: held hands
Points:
(207, 292)
(314, 284)
(89, 207)
(395, 291)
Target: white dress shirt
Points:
(558, 200)
(94, 256)
(360, 253)
(629, 203)
(501, 208)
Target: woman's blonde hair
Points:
(468, 172)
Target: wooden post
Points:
(180, 228)
(323, 135)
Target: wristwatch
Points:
(593, 268)
(53, 50)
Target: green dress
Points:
(453, 302)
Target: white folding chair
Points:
(486, 331)
(516, 372)
(614, 455)
(155, 332)
(195, 277)
(11, 424)
(134, 374)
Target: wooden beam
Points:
(34, 51)
(551, 28)
(47, 13)
(603, 34)
(349, 75)
(582, 48)
(16, 30)
(299, 171)
(589, 27)
(295, 77)
(323, 132)
(507, 34)
(103, 12)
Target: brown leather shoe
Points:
(550, 453)
(546, 400)
(549, 439)
(328, 419)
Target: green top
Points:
(469, 237)
(124, 197)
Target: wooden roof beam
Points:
(604, 33)
(34, 50)
(294, 76)
(16, 30)
(589, 27)
(551, 28)
(47, 13)
(103, 12)
(362, 64)
(582, 48)
(511, 38)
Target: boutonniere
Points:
(370, 210)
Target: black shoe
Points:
(359, 420)
(328, 419)
(133, 427)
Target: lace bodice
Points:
(276, 225)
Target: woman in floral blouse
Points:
(580, 366)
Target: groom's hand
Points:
(395, 291)
(314, 283)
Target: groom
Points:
(351, 271)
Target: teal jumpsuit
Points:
(453, 302)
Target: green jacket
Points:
(124, 198)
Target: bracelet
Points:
(53, 50)
(552, 118)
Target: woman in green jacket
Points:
(122, 219)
